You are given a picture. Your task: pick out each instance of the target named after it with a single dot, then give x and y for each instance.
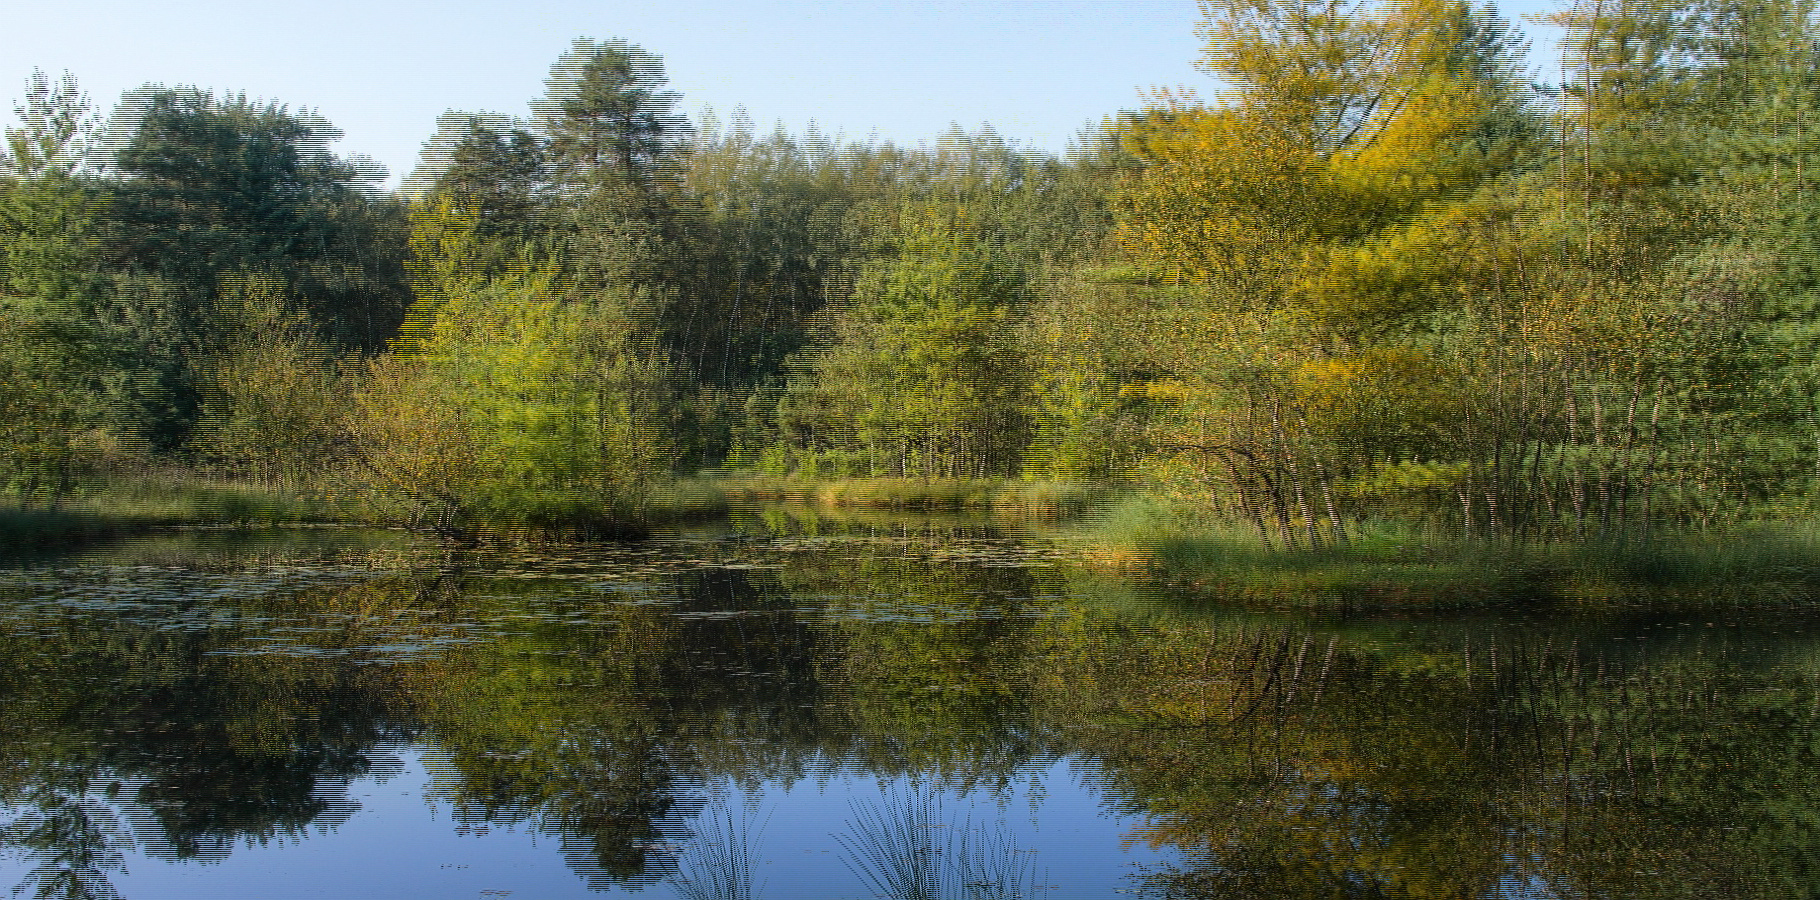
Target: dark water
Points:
(792, 709)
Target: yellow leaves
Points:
(1425, 151)
(1162, 389)
(1410, 477)
(444, 261)
(1223, 194)
(1373, 387)
(417, 440)
(1402, 273)
(1350, 133)
(444, 246)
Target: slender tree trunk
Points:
(1333, 512)
(1245, 489)
(1295, 477)
(1601, 463)
(1324, 482)
(1577, 480)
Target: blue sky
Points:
(382, 70)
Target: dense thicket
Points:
(1384, 275)
(1427, 289)
(151, 262)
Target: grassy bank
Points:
(631, 516)
(1143, 540)
(132, 505)
(1400, 564)
(177, 499)
(125, 506)
(1007, 496)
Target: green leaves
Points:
(926, 361)
(57, 359)
(510, 397)
(55, 132)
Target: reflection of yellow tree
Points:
(1250, 749)
(1288, 765)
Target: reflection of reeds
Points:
(905, 848)
(716, 864)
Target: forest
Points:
(1385, 277)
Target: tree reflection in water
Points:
(73, 843)
(1480, 769)
(596, 701)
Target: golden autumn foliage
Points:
(1405, 261)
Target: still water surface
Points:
(788, 707)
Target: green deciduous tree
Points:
(507, 397)
(926, 360)
(61, 368)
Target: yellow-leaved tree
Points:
(1342, 217)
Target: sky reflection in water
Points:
(803, 708)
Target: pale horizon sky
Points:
(1036, 71)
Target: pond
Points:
(788, 706)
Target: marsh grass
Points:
(717, 861)
(126, 506)
(905, 846)
(1004, 496)
(1392, 563)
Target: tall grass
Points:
(1195, 552)
(127, 505)
(716, 864)
(1044, 499)
(905, 847)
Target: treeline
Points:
(1384, 275)
(147, 260)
